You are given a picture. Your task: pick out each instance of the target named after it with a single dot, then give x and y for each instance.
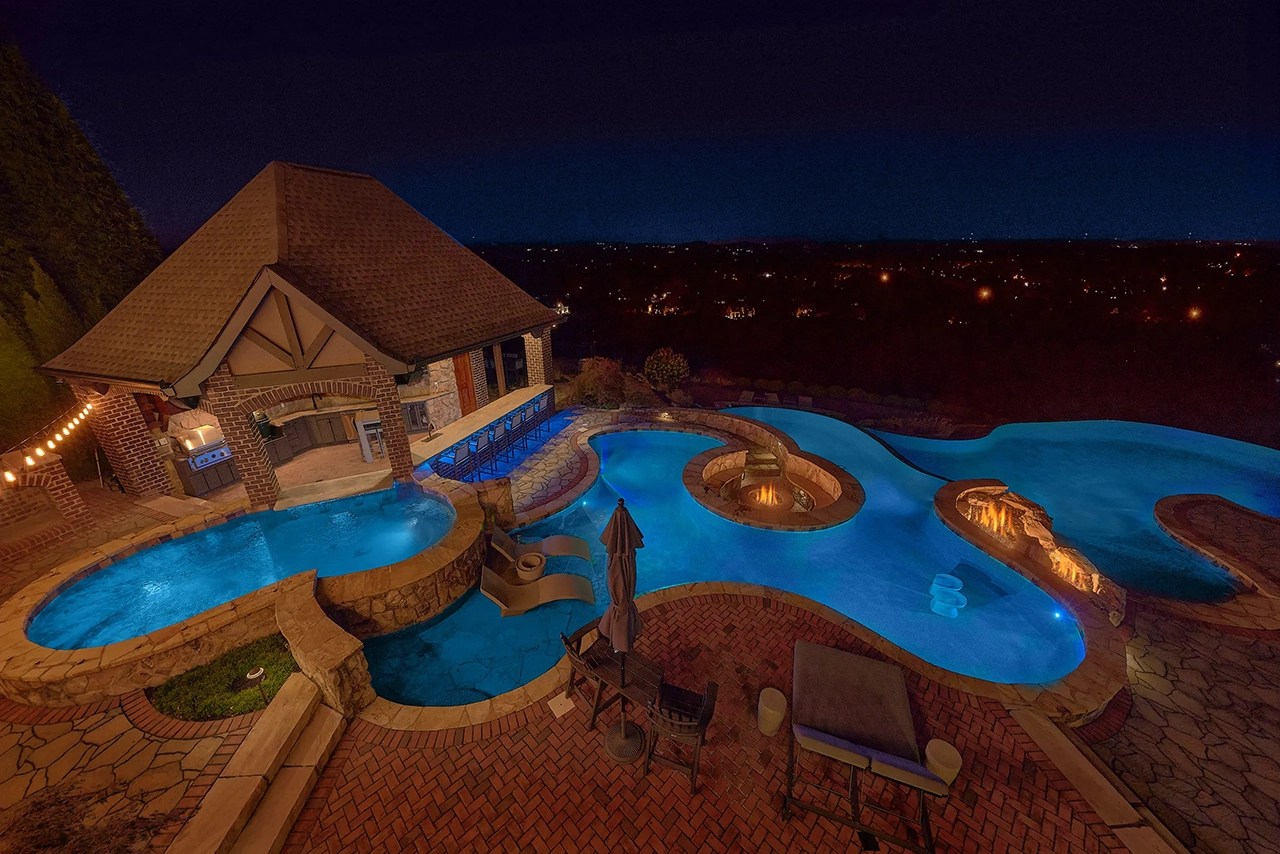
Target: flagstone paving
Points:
(555, 467)
(545, 785)
(1201, 745)
(132, 761)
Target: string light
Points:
(29, 461)
(50, 444)
(8, 475)
(39, 452)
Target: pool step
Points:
(269, 827)
(228, 807)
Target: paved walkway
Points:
(555, 467)
(118, 766)
(1201, 745)
(544, 784)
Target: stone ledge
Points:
(1084, 692)
(331, 658)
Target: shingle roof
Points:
(345, 240)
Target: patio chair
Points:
(855, 710)
(771, 398)
(747, 397)
(500, 440)
(454, 463)
(584, 666)
(482, 450)
(557, 545)
(681, 716)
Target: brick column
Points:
(52, 477)
(478, 382)
(126, 439)
(246, 444)
(537, 355)
(394, 436)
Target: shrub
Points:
(666, 368)
(935, 406)
(680, 397)
(837, 391)
(913, 403)
(856, 394)
(600, 383)
(742, 382)
(770, 385)
(818, 390)
(795, 387)
(893, 400)
(872, 397)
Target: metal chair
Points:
(681, 716)
(454, 463)
(482, 450)
(501, 440)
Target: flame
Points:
(996, 518)
(767, 495)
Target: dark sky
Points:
(675, 121)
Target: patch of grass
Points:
(218, 689)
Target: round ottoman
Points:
(773, 705)
(942, 759)
(531, 566)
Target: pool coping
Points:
(1072, 699)
(1084, 692)
(42, 676)
(1255, 608)
(1047, 699)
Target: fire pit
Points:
(770, 495)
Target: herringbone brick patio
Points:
(545, 785)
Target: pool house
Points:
(315, 309)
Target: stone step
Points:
(269, 827)
(229, 805)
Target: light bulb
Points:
(8, 475)
(29, 461)
(50, 444)
(39, 452)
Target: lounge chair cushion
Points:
(856, 699)
(828, 745)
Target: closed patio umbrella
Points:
(620, 623)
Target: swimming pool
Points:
(173, 581)
(1100, 481)
(876, 568)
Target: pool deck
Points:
(1190, 748)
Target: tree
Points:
(666, 368)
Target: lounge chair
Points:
(514, 598)
(855, 710)
(557, 545)
(747, 397)
(806, 402)
(771, 398)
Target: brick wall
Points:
(126, 439)
(53, 480)
(537, 355)
(243, 438)
(234, 409)
(394, 437)
(18, 505)
(478, 382)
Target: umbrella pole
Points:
(622, 744)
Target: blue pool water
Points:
(1100, 481)
(172, 581)
(876, 568)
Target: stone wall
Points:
(38, 676)
(417, 588)
(499, 508)
(331, 658)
